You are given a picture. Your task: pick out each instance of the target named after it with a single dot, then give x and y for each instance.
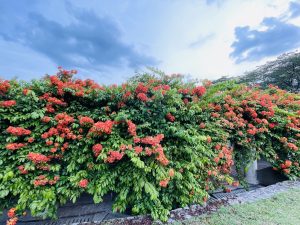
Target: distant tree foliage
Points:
(223, 79)
(283, 72)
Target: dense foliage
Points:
(283, 72)
(156, 142)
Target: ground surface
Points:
(277, 204)
(282, 208)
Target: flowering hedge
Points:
(156, 142)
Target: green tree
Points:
(283, 72)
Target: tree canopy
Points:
(283, 72)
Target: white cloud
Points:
(164, 30)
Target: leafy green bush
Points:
(157, 142)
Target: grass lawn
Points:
(283, 208)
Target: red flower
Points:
(208, 139)
(40, 181)
(216, 160)
(4, 86)
(235, 183)
(164, 183)
(102, 127)
(184, 91)
(83, 183)
(30, 140)
(114, 156)
(215, 115)
(286, 171)
(272, 125)
(121, 105)
(292, 146)
(138, 149)
(14, 146)
(161, 156)
(37, 157)
(11, 213)
(66, 145)
(143, 97)
(97, 148)
(171, 172)
(126, 95)
(12, 221)
(46, 119)
(55, 101)
(185, 101)
(287, 163)
(227, 190)
(64, 119)
(85, 121)
(131, 128)
(141, 88)
(251, 131)
(53, 150)
(199, 91)
(25, 91)
(7, 104)
(49, 143)
(202, 125)
(18, 131)
(22, 169)
(150, 140)
(218, 147)
(170, 117)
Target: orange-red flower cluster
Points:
(292, 146)
(170, 117)
(8, 103)
(83, 183)
(164, 183)
(100, 128)
(42, 180)
(14, 146)
(62, 128)
(113, 156)
(224, 153)
(85, 121)
(184, 91)
(138, 149)
(141, 88)
(4, 86)
(155, 147)
(131, 128)
(18, 131)
(199, 91)
(46, 119)
(37, 158)
(11, 212)
(30, 140)
(142, 96)
(97, 148)
(12, 221)
(22, 169)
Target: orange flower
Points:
(171, 172)
(164, 183)
(11, 213)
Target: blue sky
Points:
(109, 40)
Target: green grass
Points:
(283, 208)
